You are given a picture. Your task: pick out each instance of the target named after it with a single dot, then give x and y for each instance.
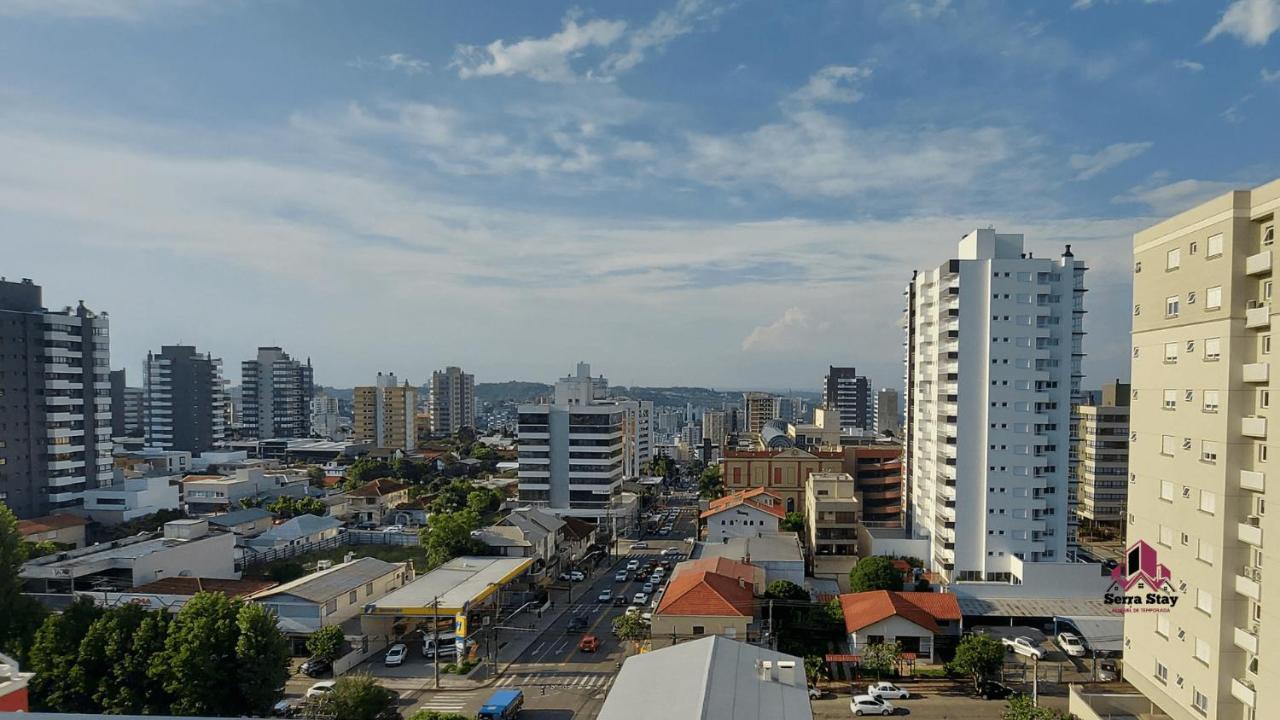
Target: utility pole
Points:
(773, 643)
(435, 638)
(1035, 681)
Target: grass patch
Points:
(461, 668)
(280, 570)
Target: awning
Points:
(1105, 634)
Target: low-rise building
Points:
(542, 529)
(14, 697)
(702, 602)
(778, 554)
(62, 528)
(714, 678)
(781, 472)
(247, 522)
(374, 500)
(831, 514)
(171, 593)
(299, 531)
(742, 514)
(132, 498)
(917, 621)
(222, 493)
(332, 596)
(735, 569)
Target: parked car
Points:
(324, 687)
(992, 690)
(286, 709)
(666, 530)
(1024, 645)
(621, 576)
(393, 529)
(814, 693)
(589, 643)
(577, 623)
(868, 705)
(573, 576)
(633, 610)
(1071, 644)
(887, 691)
(605, 595)
(645, 589)
(316, 667)
(1108, 671)
(395, 656)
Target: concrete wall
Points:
(741, 521)
(682, 626)
(212, 556)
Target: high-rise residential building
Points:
(275, 396)
(55, 402)
(714, 426)
(849, 395)
(126, 407)
(691, 434)
(571, 450)
(994, 358)
(1199, 459)
(385, 414)
(638, 440)
(759, 408)
(887, 418)
(326, 418)
(184, 400)
(453, 401)
(1102, 470)
(876, 468)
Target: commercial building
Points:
(55, 402)
(221, 493)
(715, 427)
(987, 465)
(888, 419)
(637, 436)
(62, 528)
(1102, 471)
(453, 401)
(333, 595)
(133, 498)
(275, 396)
(184, 403)
(758, 408)
(848, 394)
(385, 414)
(777, 554)
(831, 512)
(126, 407)
(782, 472)
(746, 513)
(1199, 454)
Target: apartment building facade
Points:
(715, 427)
(126, 407)
(276, 395)
(887, 415)
(831, 514)
(876, 468)
(453, 401)
(55, 402)
(385, 413)
(848, 395)
(758, 409)
(1199, 458)
(184, 400)
(994, 360)
(1102, 469)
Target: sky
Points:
(727, 193)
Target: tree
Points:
(1020, 707)
(288, 507)
(22, 616)
(875, 573)
(977, 656)
(425, 714)
(199, 655)
(408, 470)
(792, 522)
(363, 470)
(315, 474)
(785, 590)
(630, 627)
(449, 535)
(357, 697)
(452, 497)
(710, 485)
(815, 668)
(484, 453)
(262, 659)
(105, 643)
(326, 643)
(881, 657)
(55, 650)
(134, 691)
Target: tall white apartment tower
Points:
(1200, 460)
(276, 395)
(993, 361)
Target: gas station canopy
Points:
(451, 588)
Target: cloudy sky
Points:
(718, 192)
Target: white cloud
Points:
(833, 83)
(1270, 76)
(544, 59)
(1252, 21)
(794, 329)
(1188, 65)
(1170, 198)
(94, 9)
(1106, 158)
(1234, 113)
(665, 27)
(395, 62)
(926, 9)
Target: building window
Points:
(1171, 352)
(1205, 552)
(1208, 451)
(1213, 298)
(1170, 399)
(1166, 536)
(1264, 399)
(1211, 401)
(353, 597)
(1264, 344)
(1171, 306)
(1173, 260)
(1204, 601)
(331, 607)
(1199, 701)
(1166, 490)
(699, 630)
(1162, 625)
(1167, 444)
(368, 589)
(1202, 650)
(1208, 502)
(1212, 348)
(1214, 246)
(1262, 452)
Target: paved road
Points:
(931, 706)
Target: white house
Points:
(133, 498)
(742, 514)
(302, 530)
(915, 620)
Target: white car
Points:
(324, 687)
(1024, 645)
(633, 610)
(671, 551)
(887, 691)
(573, 576)
(1071, 644)
(633, 565)
(393, 529)
(620, 576)
(640, 598)
(395, 656)
(642, 545)
(605, 595)
(867, 705)
(814, 693)
(646, 588)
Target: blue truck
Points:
(502, 705)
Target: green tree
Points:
(104, 644)
(288, 507)
(977, 656)
(262, 659)
(199, 657)
(448, 535)
(55, 651)
(483, 500)
(42, 548)
(710, 484)
(326, 643)
(630, 627)
(363, 470)
(484, 453)
(410, 471)
(875, 573)
(881, 657)
(21, 616)
(315, 474)
(134, 691)
(792, 522)
(425, 714)
(1020, 707)
(357, 696)
(785, 590)
(815, 668)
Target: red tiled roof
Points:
(57, 521)
(378, 488)
(727, 567)
(706, 593)
(747, 497)
(922, 608)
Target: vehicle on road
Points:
(633, 610)
(619, 600)
(577, 623)
(633, 565)
(642, 545)
(324, 687)
(887, 691)
(316, 667)
(646, 589)
(605, 595)
(395, 656)
(868, 705)
(502, 705)
(589, 643)
(992, 690)
(665, 531)
(620, 576)
(640, 598)
(670, 551)
(1107, 671)
(447, 642)
(1071, 644)
(1024, 645)
(573, 576)
(814, 693)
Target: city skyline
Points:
(599, 181)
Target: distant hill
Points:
(516, 391)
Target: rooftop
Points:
(239, 516)
(735, 569)
(324, 585)
(705, 593)
(378, 488)
(193, 585)
(757, 498)
(296, 528)
(922, 608)
(49, 523)
(764, 547)
(461, 581)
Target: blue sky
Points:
(729, 193)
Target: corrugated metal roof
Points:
(325, 585)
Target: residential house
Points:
(132, 498)
(331, 596)
(299, 531)
(701, 602)
(506, 540)
(62, 528)
(735, 569)
(171, 593)
(778, 554)
(543, 530)
(742, 514)
(579, 536)
(337, 505)
(374, 500)
(918, 621)
(411, 514)
(247, 522)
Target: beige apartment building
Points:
(831, 514)
(385, 414)
(1102, 473)
(1199, 461)
(759, 408)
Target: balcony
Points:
(1251, 480)
(1242, 690)
(1258, 372)
(1254, 427)
(1258, 317)
(1249, 533)
(1248, 583)
(1258, 264)
(1246, 640)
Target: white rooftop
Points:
(459, 582)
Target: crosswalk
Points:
(557, 680)
(447, 701)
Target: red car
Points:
(589, 643)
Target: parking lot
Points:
(932, 705)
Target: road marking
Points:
(540, 646)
